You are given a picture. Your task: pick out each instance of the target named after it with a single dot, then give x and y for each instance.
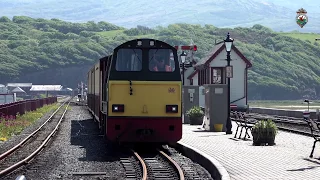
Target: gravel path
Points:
(77, 147)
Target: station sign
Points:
(229, 71)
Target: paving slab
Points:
(288, 159)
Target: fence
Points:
(12, 109)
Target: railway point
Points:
(288, 159)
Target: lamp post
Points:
(308, 102)
(228, 43)
(183, 56)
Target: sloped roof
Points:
(18, 90)
(66, 89)
(19, 84)
(214, 53)
(46, 88)
(2, 85)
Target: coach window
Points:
(161, 60)
(129, 60)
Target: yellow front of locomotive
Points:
(145, 98)
(144, 94)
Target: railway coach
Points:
(135, 93)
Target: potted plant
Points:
(264, 133)
(195, 115)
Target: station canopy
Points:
(19, 84)
(18, 90)
(46, 88)
(67, 89)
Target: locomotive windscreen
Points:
(129, 60)
(161, 58)
(145, 64)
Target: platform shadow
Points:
(200, 129)
(316, 161)
(309, 167)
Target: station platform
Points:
(288, 159)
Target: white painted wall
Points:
(195, 80)
(6, 98)
(3, 90)
(187, 73)
(237, 83)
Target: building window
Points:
(191, 81)
(216, 75)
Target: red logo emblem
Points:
(171, 90)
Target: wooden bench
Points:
(315, 131)
(243, 122)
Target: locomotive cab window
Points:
(129, 60)
(161, 60)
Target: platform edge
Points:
(213, 166)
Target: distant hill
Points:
(40, 51)
(276, 14)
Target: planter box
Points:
(263, 138)
(196, 120)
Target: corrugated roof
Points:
(19, 84)
(18, 90)
(46, 88)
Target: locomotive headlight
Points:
(117, 108)
(171, 108)
(151, 43)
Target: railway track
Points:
(29, 147)
(280, 119)
(290, 124)
(153, 164)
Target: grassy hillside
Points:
(303, 36)
(284, 67)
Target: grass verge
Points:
(11, 126)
